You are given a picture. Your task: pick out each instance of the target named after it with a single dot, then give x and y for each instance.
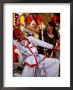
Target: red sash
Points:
(35, 58)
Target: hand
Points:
(56, 48)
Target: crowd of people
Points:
(36, 46)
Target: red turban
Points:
(28, 18)
(55, 18)
(38, 18)
(16, 33)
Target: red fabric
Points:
(28, 18)
(14, 54)
(55, 18)
(33, 46)
(33, 55)
(31, 65)
(44, 58)
(16, 33)
(30, 51)
(38, 18)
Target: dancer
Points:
(33, 62)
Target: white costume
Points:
(36, 64)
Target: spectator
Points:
(50, 36)
(41, 26)
(31, 25)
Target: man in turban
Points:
(35, 64)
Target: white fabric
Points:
(50, 66)
(32, 41)
(28, 72)
(33, 49)
(40, 43)
(21, 48)
(27, 52)
(31, 60)
(22, 28)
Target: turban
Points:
(28, 18)
(55, 18)
(38, 18)
(16, 33)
